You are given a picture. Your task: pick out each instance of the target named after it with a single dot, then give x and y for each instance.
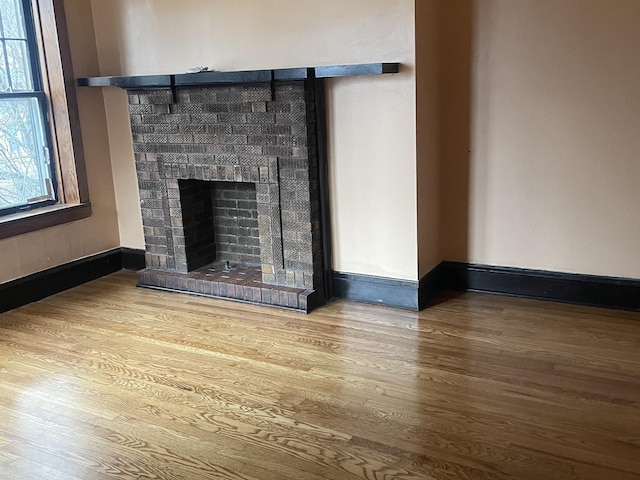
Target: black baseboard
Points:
(390, 292)
(378, 290)
(429, 287)
(592, 290)
(39, 285)
(132, 259)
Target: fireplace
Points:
(228, 179)
(231, 172)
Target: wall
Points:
(372, 130)
(428, 87)
(553, 171)
(455, 25)
(26, 254)
(536, 125)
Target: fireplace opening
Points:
(220, 222)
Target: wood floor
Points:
(111, 381)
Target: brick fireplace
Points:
(232, 178)
(228, 180)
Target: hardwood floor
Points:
(111, 381)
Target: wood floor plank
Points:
(112, 381)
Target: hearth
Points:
(232, 177)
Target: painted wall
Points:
(454, 127)
(552, 179)
(26, 254)
(372, 127)
(531, 107)
(428, 86)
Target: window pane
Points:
(19, 69)
(12, 19)
(23, 171)
(4, 79)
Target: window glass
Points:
(18, 65)
(11, 17)
(4, 78)
(26, 176)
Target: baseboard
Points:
(592, 290)
(390, 292)
(429, 287)
(132, 259)
(39, 285)
(383, 291)
(378, 290)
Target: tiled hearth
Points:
(230, 174)
(242, 283)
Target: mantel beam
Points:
(247, 76)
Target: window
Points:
(42, 174)
(26, 176)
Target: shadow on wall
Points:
(454, 65)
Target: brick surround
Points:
(230, 173)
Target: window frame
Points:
(59, 85)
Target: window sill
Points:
(25, 222)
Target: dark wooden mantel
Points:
(247, 76)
